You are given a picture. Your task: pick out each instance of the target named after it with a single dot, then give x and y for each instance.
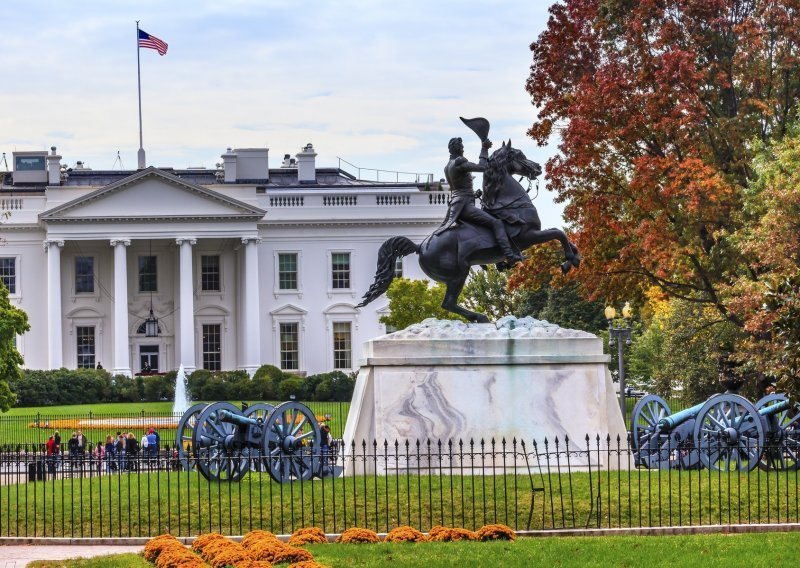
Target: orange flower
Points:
(258, 536)
(308, 535)
(444, 534)
(156, 545)
(291, 554)
(405, 534)
(307, 564)
(356, 535)
(496, 532)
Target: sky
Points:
(380, 84)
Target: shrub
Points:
(310, 535)
(291, 386)
(405, 534)
(258, 536)
(307, 564)
(156, 545)
(495, 532)
(444, 534)
(356, 535)
(291, 554)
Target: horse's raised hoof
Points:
(480, 318)
(565, 267)
(576, 260)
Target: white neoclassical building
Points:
(241, 266)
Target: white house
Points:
(241, 266)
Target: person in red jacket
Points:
(51, 455)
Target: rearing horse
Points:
(448, 256)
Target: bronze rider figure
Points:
(458, 173)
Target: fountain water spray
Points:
(182, 402)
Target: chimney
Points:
(229, 165)
(53, 167)
(306, 170)
(252, 165)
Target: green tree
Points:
(13, 322)
(411, 301)
(487, 292)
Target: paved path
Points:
(18, 556)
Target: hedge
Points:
(88, 386)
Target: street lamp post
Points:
(617, 332)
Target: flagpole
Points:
(140, 154)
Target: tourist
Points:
(111, 463)
(120, 450)
(72, 449)
(152, 448)
(100, 454)
(57, 447)
(326, 446)
(132, 451)
(99, 366)
(51, 455)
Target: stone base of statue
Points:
(449, 397)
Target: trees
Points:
(662, 107)
(411, 301)
(13, 322)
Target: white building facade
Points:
(241, 267)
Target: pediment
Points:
(153, 195)
(288, 310)
(341, 308)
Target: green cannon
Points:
(225, 442)
(727, 433)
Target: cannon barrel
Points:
(775, 408)
(238, 419)
(673, 420)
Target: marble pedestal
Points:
(446, 381)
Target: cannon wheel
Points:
(729, 434)
(782, 451)
(292, 443)
(646, 414)
(260, 410)
(183, 435)
(219, 458)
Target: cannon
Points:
(725, 433)
(224, 442)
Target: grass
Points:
(15, 425)
(723, 551)
(185, 503)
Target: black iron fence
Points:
(95, 426)
(551, 484)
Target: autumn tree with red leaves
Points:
(658, 104)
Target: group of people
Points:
(124, 451)
(76, 450)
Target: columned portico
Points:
(252, 337)
(186, 354)
(122, 363)
(55, 357)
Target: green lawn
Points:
(722, 551)
(15, 425)
(185, 503)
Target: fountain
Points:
(182, 402)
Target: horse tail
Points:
(390, 251)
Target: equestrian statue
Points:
(506, 224)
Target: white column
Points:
(122, 359)
(252, 320)
(55, 356)
(186, 298)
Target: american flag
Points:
(152, 42)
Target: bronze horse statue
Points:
(448, 256)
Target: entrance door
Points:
(148, 358)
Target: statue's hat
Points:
(479, 126)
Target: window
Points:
(290, 346)
(342, 342)
(148, 277)
(29, 164)
(340, 270)
(398, 267)
(85, 344)
(287, 271)
(212, 351)
(8, 273)
(209, 273)
(84, 275)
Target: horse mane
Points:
(495, 173)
